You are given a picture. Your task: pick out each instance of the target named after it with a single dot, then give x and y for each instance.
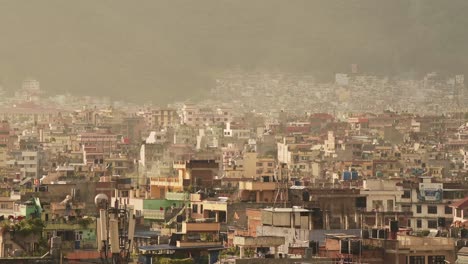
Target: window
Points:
(390, 206)
(377, 204)
(195, 208)
(78, 235)
(448, 210)
(432, 209)
(418, 223)
(431, 223)
(418, 209)
(417, 259)
(259, 164)
(406, 194)
(406, 208)
(270, 164)
(436, 259)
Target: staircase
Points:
(174, 218)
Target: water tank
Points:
(346, 176)
(354, 175)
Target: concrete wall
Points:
(290, 235)
(239, 210)
(281, 261)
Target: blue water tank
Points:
(346, 175)
(354, 175)
(77, 244)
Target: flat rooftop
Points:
(286, 210)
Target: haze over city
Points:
(234, 132)
(175, 49)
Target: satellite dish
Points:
(101, 200)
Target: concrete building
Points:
(28, 163)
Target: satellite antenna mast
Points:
(282, 185)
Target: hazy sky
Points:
(159, 50)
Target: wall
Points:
(240, 210)
(280, 261)
(290, 235)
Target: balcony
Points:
(215, 206)
(174, 196)
(262, 241)
(426, 243)
(50, 225)
(195, 197)
(257, 186)
(200, 227)
(166, 182)
(199, 243)
(413, 243)
(179, 165)
(154, 214)
(59, 206)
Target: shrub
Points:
(176, 261)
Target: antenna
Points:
(114, 236)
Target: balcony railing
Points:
(59, 206)
(72, 225)
(173, 196)
(257, 186)
(173, 181)
(154, 214)
(413, 243)
(200, 227)
(198, 243)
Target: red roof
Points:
(324, 116)
(461, 204)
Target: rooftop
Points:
(286, 210)
(463, 203)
